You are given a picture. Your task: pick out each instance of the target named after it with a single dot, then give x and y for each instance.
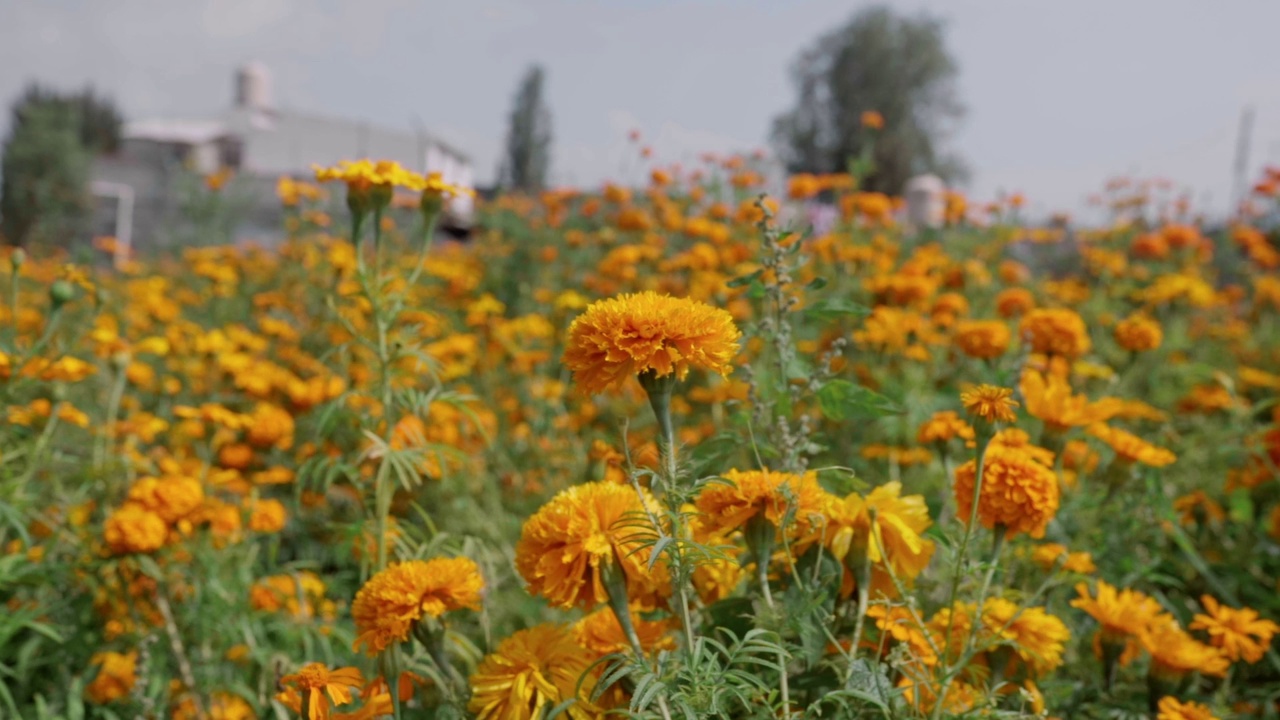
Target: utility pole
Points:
(1240, 176)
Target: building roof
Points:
(187, 132)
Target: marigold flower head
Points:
(1171, 708)
(1013, 302)
(117, 674)
(1049, 398)
(569, 544)
(601, 633)
(989, 402)
(1122, 614)
(1130, 448)
(982, 339)
(1018, 493)
(1048, 555)
(1056, 331)
(1138, 333)
(134, 529)
(942, 427)
(320, 688)
(1174, 653)
(272, 426)
(872, 119)
(531, 671)
(726, 507)
(1240, 634)
(173, 497)
(648, 333)
(1038, 637)
(388, 605)
(884, 527)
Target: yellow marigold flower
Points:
(271, 426)
(1056, 331)
(1130, 448)
(173, 498)
(1170, 708)
(883, 527)
(726, 507)
(532, 671)
(1197, 508)
(117, 673)
(1174, 653)
(989, 402)
(267, 516)
(1240, 634)
(982, 339)
(897, 622)
(318, 686)
(942, 427)
(222, 706)
(567, 546)
(1050, 399)
(601, 633)
(648, 333)
(1018, 493)
(1138, 333)
(1048, 555)
(1122, 614)
(872, 119)
(388, 605)
(1038, 637)
(1014, 302)
(363, 175)
(134, 529)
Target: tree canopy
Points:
(528, 147)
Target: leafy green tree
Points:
(528, 150)
(882, 62)
(46, 161)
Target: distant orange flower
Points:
(388, 605)
(991, 403)
(872, 119)
(320, 688)
(1239, 634)
(982, 338)
(1056, 331)
(1018, 493)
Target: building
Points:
(140, 184)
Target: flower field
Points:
(653, 452)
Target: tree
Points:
(882, 62)
(46, 160)
(528, 152)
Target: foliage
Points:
(528, 146)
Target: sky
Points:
(1061, 96)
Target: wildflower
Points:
(885, 528)
(1050, 399)
(1239, 634)
(1018, 494)
(726, 507)
(1014, 302)
(1122, 616)
(173, 497)
(1197, 508)
(271, 426)
(1174, 653)
(267, 516)
(222, 706)
(568, 546)
(1039, 638)
(317, 686)
(1130, 448)
(982, 339)
(117, 674)
(872, 119)
(388, 605)
(991, 403)
(1056, 331)
(530, 672)
(1138, 333)
(648, 333)
(1048, 555)
(601, 633)
(1170, 708)
(942, 427)
(134, 529)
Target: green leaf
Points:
(742, 280)
(832, 308)
(842, 400)
(816, 284)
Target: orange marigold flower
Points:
(272, 426)
(318, 686)
(648, 333)
(942, 427)
(1013, 302)
(1174, 653)
(1038, 637)
(1050, 399)
(267, 516)
(982, 339)
(1240, 634)
(726, 507)
(872, 119)
(1123, 615)
(388, 605)
(989, 402)
(1170, 708)
(1048, 555)
(532, 671)
(117, 673)
(134, 529)
(1018, 494)
(1130, 448)
(1138, 333)
(1056, 331)
(884, 527)
(601, 633)
(567, 546)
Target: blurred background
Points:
(1048, 100)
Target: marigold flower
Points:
(318, 686)
(1013, 302)
(601, 633)
(884, 527)
(1038, 637)
(222, 706)
(388, 605)
(872, 119)
(1050, 399)
(1240, 634)
(117, 674)
(726, 507)
(134, 529)
(566, 548)
(1174, 653)
(648, 333)
(173, 498)
(267, 516)
(1122, 615)
(1056, 331)
(1018, 493)
(942, 427)
(983, 339)
(989, 402)
(531, 671)
(1170, 708)
(1138, 333)
(1130, 448)
(1048, 555)
(271, 426)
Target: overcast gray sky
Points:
(1061, 95)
